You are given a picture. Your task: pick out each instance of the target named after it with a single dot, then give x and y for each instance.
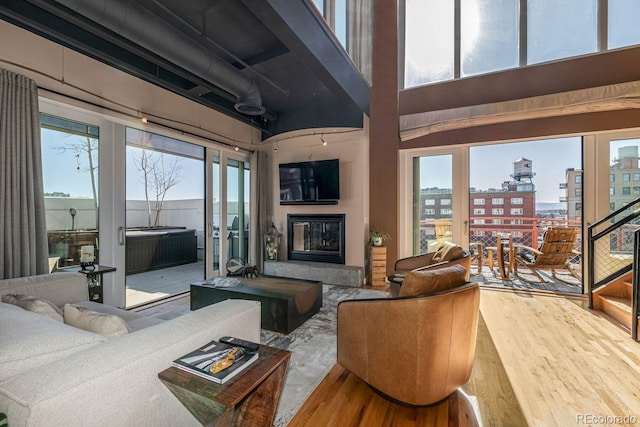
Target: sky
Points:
(64, 172)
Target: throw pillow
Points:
(448, 251)
(37, 305)
(108, 325)
(429, 281)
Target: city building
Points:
(573, 196)
(624, 177)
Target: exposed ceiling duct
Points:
(135, 23)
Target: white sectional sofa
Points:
(53, 374)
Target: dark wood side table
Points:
(248, 400)
(94, 279)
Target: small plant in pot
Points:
(378, 237)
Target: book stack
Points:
(217, 361)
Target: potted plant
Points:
(378, 237)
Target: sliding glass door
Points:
(238, 204)
(165, 233)
(70, 171)
(164, 209)
(471, 195)
(431, 201)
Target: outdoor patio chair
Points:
(557, 248)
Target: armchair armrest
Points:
(411, 263)
(528, 248)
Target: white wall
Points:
(59, 218)
(351, 148)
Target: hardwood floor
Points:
(542, 360)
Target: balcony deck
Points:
(492, 278)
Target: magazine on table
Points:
(216, 361)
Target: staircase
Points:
(615, 300)
(613, 265)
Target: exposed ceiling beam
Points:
(262, 57)
(299, 27)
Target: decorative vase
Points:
(377, 241)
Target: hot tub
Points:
(157, 248)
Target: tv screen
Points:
(310, 182)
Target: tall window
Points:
(623, 23)
(489, 35)
(70, 174)
(429, 41)
(560, 29)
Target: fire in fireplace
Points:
(317, 238)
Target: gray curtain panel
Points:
(262, 202)
(360, 39)
(23, 232)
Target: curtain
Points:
(23, 233)
(262, 200)
(360, 38)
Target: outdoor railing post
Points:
(590, 265)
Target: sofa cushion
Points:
(126, 315)
(30, 340)
(448, 251)
(424, 282)
(105, 324)
(133, 319)
(37, 305)
(59, 288)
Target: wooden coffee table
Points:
(250, 399)
(285, 303)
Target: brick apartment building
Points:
(507, 207)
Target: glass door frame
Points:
(224, 156)
(110, 183)
(112, 189)
(595, 160)
(459, 199)
(599, 207)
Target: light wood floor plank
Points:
(541, 360)
(562, 359)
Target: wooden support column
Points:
(384, 138)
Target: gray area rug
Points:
(313, 347)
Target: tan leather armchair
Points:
(415, 349)
(448, 254)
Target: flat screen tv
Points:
(310, 183)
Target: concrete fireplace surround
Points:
(328, 273)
